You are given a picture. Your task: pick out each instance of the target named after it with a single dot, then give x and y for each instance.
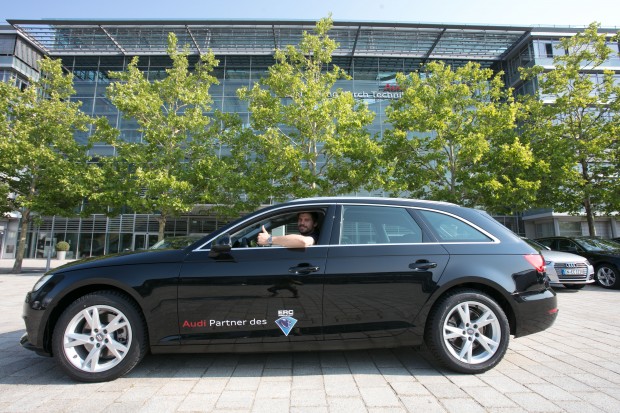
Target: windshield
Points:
(598, 245)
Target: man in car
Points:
(307, 224)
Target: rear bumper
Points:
(535, 312)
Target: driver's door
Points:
(252, 294)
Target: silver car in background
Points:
(563, 268)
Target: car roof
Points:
(370, 199)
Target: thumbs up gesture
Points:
(263, 237)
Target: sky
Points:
(577, 13)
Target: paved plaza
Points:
(572, 367)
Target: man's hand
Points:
(263, 237)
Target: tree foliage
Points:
(42, 166)
(306, 138)
(575, 123)
(176, 165)
(454, 139)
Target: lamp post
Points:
(49, 252)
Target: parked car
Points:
(179, 242)
(384, 273)
(563, 268)
(603, 254)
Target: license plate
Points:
(574, 271)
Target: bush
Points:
(62, 246)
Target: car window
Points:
(378, 225)
(450, 229)
(547, 243)
(280, 224)
(566, 245)
(597, 245)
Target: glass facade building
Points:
(371, 53)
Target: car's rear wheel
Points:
(607, 276)
(574, 286)
(468, 331)
(99, 337)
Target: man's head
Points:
(307, 222)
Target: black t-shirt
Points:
(315, 235)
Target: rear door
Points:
(381, 269)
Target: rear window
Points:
(378, 225)
(450, 229)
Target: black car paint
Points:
(397, 293)
(596, 258)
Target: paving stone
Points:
(462, 406)
(379, 397)
(308, 398)
(426, 404)
(235, 399)
(489, 397)
(533, 402)
(346, 405)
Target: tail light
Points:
(537, 261)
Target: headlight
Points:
(41, 281)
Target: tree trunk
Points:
(587, 203)
(162, 225)
(590, 217)
(21, 245)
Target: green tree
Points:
(575, 123)
(454, 139)
(306, 138)
(41, 165)
(176, 165)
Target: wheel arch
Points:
(606, 263)
(73, 295)
(487, 289)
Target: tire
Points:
(456, 338)
(574, 286)
(606, 275)
(99, 337)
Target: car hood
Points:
(613, 254)
(559, 256)
(126, 258)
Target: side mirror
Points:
(220, 245)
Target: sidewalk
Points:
(30, 265)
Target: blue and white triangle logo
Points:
(286, 324)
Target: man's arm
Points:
(288, 241)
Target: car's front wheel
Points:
(99, 337)
(607, 276)
(468, 331)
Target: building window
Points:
(544, 229)
(570, 228)
(549, 49)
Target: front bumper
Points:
(25, 343)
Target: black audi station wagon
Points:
(383, 273)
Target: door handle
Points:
(303, 269)
(422, 265)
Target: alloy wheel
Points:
(97, 338)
